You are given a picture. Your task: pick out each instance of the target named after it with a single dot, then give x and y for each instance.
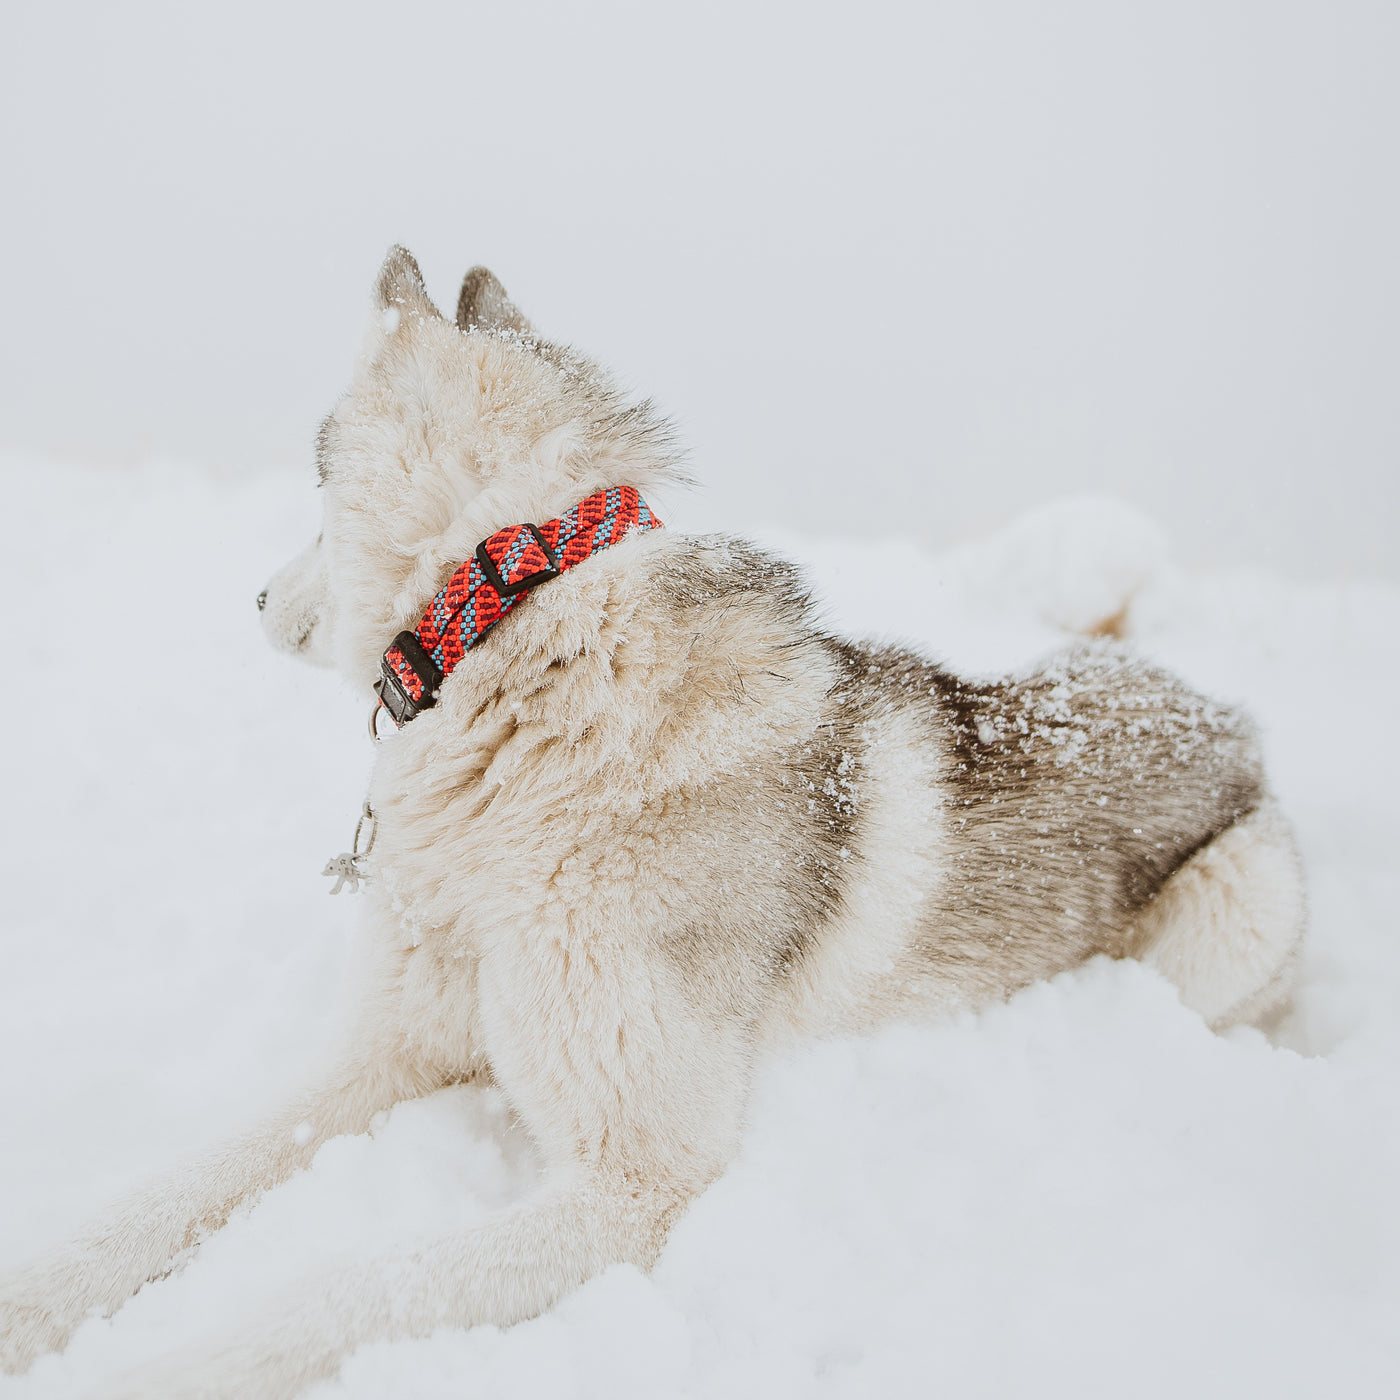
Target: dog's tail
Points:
(512, 1267)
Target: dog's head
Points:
(450, 431)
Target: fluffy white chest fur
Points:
(657, 820)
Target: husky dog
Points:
(656, 821)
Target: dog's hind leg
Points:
(142, 1238)
(1227, 926)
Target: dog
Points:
(636, 817)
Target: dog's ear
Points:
(484, 305)
(400, 286)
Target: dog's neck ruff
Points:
(480, 593)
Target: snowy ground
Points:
(1081, 1193)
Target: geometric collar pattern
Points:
(503, 570)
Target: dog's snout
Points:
(262, 600)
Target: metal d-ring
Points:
(379, 708)
(366, 815)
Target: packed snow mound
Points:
(1082, 1192)
(1071, 567)
(1076, 564)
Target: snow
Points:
(1082, 1192)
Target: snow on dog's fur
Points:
(658, 820)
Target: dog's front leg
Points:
(144, 1236)
(634, 1089)
(511, 1268)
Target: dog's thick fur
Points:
(658, 820)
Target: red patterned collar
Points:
(480, 593)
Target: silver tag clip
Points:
(346, 867)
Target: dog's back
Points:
(935, 841)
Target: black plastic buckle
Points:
(506, 590)
(400, 704)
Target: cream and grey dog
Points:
(657, 821)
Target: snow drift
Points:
(1081, 1192)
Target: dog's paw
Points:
(246, 1364)
(185, 1375)
(196, 1375)
(28, 1328)
(160, 1382)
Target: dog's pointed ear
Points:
(484, 305)
(400, 286)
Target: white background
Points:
(924, 263)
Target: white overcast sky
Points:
(894, 268)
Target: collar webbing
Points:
(483, 589)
